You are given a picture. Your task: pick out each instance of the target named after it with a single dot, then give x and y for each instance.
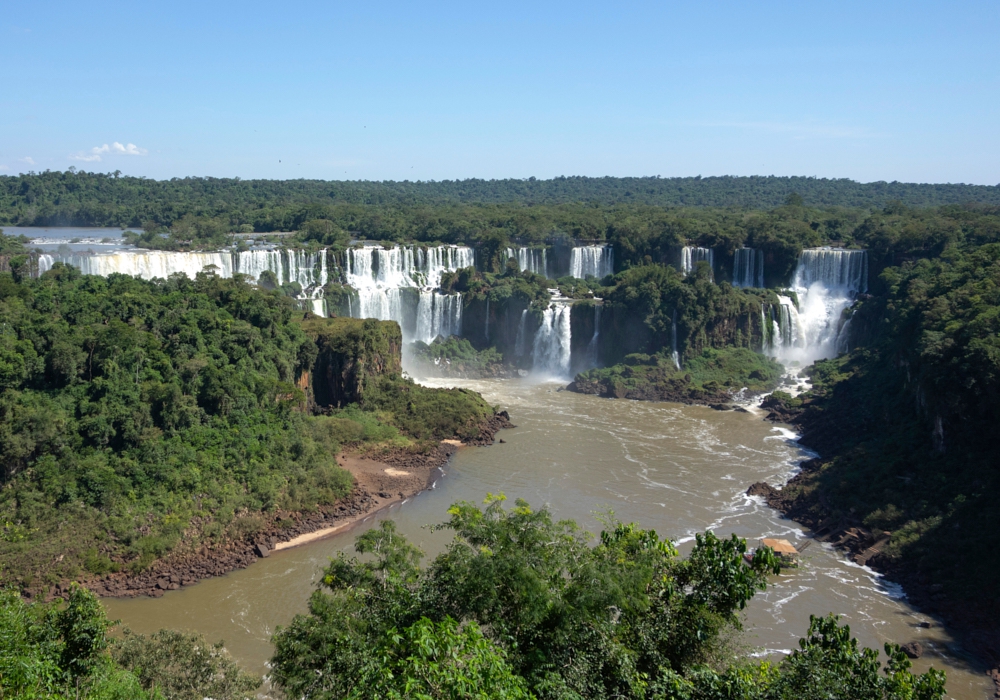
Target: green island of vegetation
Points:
(713, 377)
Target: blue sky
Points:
(409, 90)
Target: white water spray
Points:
(552, 346)
(827, 281)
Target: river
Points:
(676, 469)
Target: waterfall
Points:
(834, 268)
(551, 351)
(45, 263)
(149, 264)
(826, 281)
(789, 326)
(592, 359)
(674, 355)
(379, 275)
(748, 268)
(591, 260)
(530, 259)
(438, 315)
(519, 340)
(691, 256)
(307, 269)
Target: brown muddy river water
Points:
(676, 469)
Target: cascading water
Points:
(519, 340)
(147, 264)
(591, 261)
(553, 341)
(379, 276)
(748, 268)
(691, 256)
(438, 315)
(673, 341)
(826, 281)
(307, 269)
(592, 359)
(530, 259)
(788, 327)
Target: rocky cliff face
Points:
(350, 353)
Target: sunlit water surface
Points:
(676, 469)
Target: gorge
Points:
(653, 319)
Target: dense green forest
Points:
(904, 425)
(136, 413)
(522, 606)
(95, 199)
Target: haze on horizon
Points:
(394, 91)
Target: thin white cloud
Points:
(27, 159)
(4, 167)
(115, 149)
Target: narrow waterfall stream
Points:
(748, 268)
(552, 346)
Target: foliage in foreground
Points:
(527, 607)
(62, 651)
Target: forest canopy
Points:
(79, 198)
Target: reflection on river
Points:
(676, 469)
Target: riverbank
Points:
(381, 480)
(803, 500)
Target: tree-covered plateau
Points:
(141, 417)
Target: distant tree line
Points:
(77, 198)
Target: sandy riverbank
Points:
(379, 483)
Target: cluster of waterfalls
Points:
(584, 261)
(402, 284)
